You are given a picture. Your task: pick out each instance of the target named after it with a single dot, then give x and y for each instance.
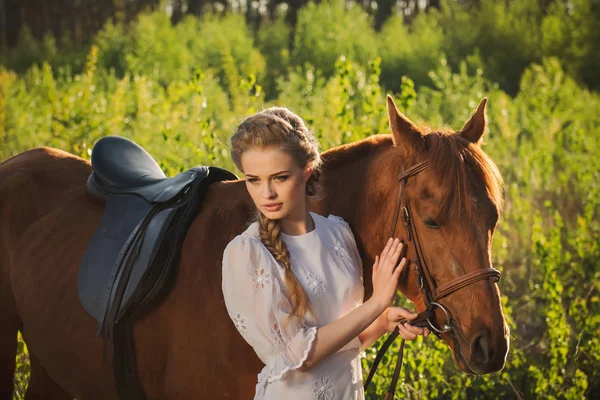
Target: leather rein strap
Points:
(428, 288)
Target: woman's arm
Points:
(332, 337)
(373, 331)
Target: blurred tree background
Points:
(177, 76)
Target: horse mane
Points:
(452, 157)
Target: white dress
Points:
(327, 265)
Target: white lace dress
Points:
(328, 266)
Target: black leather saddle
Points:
(136, 246)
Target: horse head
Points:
(454, 200)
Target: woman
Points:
(292, 282)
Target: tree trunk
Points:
(384, 11)
(433, 4)
(195, 7)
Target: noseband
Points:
(431, 293)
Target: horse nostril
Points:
(480, 348)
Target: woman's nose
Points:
(267, 191)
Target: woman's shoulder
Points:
(247, 241)
(337, 223)
(336, 219)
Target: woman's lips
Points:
(274, 207)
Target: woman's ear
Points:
(307, 174)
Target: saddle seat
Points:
(121, 166)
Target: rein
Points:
(429, 290)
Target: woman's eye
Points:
(282, 178)
(431, 224)
(252, 180)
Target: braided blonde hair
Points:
(281, 128)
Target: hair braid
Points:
(269, 231)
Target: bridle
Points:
(431, 293)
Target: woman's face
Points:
(275, 182)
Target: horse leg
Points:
(8, 353)
(8, 331)
(41, 386)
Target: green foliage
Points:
(273, 40)
(180, 92)
(570, 32)
(328, 30)
(224, 45)
(156, 49)
(506, 34)
(22, 369)
(410, 51)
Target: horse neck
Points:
(360, 185)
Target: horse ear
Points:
(405, 134)
(475, 127)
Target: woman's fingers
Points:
(390, 257)
(376, 264)
(414, 329)
(399, 269)
(405, 333)
(402, 313)
(387, 247)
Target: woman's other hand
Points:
(408, 332)
(386, 272)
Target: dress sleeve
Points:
(350, 242)
(259, 308)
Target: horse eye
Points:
(431, 224)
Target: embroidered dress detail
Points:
(349, 241)
(240, 323)
(339, 249)
(260, 278)
(323, 388)
(276, 334)
(316, 284)
(337, 218)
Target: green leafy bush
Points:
(328, 30)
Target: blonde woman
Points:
(292, 281)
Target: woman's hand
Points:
(386, 274)
(407, 331)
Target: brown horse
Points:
(187, 347)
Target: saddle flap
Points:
(97, 271)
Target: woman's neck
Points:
(300, 225)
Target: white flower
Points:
(316, 284)
(339, 249)
(323, 388)
(240, 323)
(260, 278)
